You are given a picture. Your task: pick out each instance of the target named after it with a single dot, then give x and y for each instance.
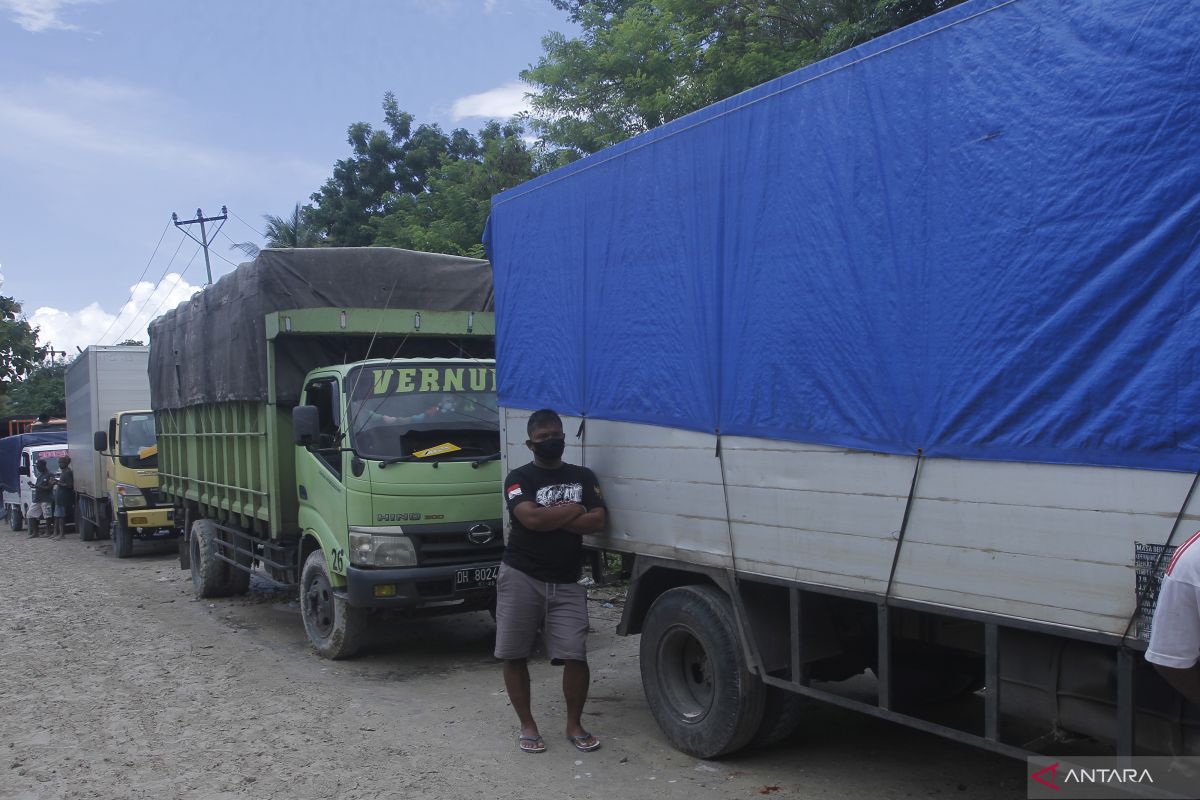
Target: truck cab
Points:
(130, 456)
(397, 470)
(50, 453)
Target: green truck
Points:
(327, 420)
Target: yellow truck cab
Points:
(130, 452)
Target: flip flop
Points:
(535, 744)
(582, 744)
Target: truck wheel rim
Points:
(318, 602)
(685, 675)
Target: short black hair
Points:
(541, 418)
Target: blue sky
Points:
(114, 113)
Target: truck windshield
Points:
(137, 436)
(430, 412)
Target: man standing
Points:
(41, 510)
(552, 505)
(64, 496)
(1175, 636)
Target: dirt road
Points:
(116, 683)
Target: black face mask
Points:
(549, 450)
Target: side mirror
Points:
(23, 470)
(99, 441)
(306, 425)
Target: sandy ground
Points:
(116, 683)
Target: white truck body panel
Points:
(101, 382)
(1048, 543)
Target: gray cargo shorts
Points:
(524, 603)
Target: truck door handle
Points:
(303, 492)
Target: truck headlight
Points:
(372, 550)
(130, 496)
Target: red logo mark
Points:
(1039, 776)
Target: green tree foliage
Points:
(20, 353)
(449, 216)
(41, 392)
(641, 63)
(295, 230)
(386, 164)
(419, 188)
(131, 343)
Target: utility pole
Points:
(203, 241)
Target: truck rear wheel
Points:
(15, 520)
(237, 581)
(210, 575)
(697, 685)
(334, 627)
(122, 538)
(87, 529)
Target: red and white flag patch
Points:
(513, 491)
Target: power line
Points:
(150, 296)
(203, 241)
(247, 224)
(166, 269)
(133, 288)
(226, 260)
(168, 292)
(238, 245)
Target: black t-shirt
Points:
(43, 488)
(551, 556)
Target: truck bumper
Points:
(414, 586)
(156, 523)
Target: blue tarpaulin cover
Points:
(10, 455)
(976, 236)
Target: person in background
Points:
(64, 496)
(41, 510)
(1175, 636)
(553, 505)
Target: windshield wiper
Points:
(396, 460)
(479, 462)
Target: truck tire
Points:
(122, 539)
(15, 520)
(237, 581)
(334, 627)
(210, 575)
(782, 713)
(697, 685)
(87, 530)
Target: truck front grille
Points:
(448, 544)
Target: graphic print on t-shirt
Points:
(559, 493)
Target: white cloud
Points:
(37, 16)
(67, 330)
(499, 103)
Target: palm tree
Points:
(295, 231)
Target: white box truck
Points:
(111, 437)
(888, 371)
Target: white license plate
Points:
(476, 577)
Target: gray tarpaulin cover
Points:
(212, 348)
